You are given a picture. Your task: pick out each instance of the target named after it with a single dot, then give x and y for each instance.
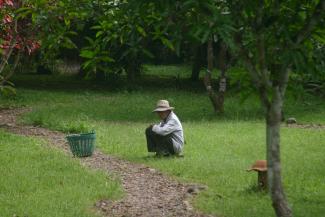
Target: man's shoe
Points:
(181, 154)
(162, 154)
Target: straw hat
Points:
(162, 105)
(259, 165)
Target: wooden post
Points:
(262, 180)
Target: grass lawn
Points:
(218, 149)
(39, 181)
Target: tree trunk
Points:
(7, 55)
(217, 100)
(198, 62)
(273, 120)
(133, 69)
(207, 78)
(222, 62)
(4, 78)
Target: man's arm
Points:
(166, 129)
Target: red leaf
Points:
(9, 2)
(3, 46)
(7, 19)
(6, 3)
(18, 46)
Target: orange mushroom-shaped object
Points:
(261, 167)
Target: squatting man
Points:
(165, 138)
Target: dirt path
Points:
(148, 193)
(306, 126)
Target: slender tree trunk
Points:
(133, 68)
(273, 120)
(12, 70)
(207, 78)
(222, 62)
(6, 56)
(198, 62)
(217, 100)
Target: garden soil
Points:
(148, 192)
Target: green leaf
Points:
(148, 53)
(23, 12)
(168, 43)
(90, 40)
(99, 34)
(141, 31)
(10, 83)
(87, 64)
(107, 59)
(23, 9)
(61, 3)
(67, 43)
(87, 54)
(319, 36)
(72, 33)
(67, 22)
(96, 27)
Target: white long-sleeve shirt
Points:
(172, 126)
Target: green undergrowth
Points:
(40, 181)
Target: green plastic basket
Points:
(82, 145)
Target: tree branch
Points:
(311, 22)
(247, 60)
(11, 49)
(260, 45)
(12, 70)
(207, 77)
(256, 77)
(6, 57)
(284, 72)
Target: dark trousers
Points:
(158, 143)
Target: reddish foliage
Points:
(7, 19)
(6, 2)
(17, 35)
